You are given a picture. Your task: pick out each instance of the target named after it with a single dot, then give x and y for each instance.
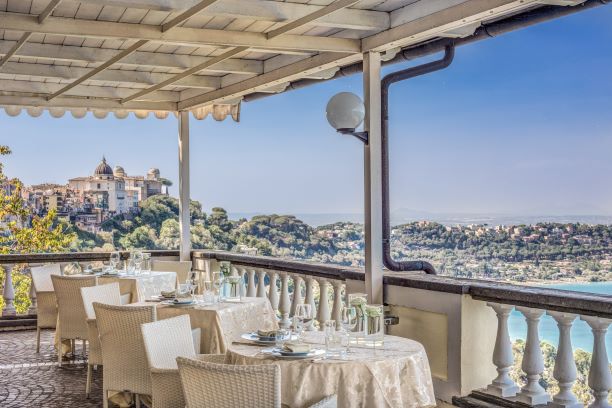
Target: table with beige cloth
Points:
(395, 375)
(224, 322)
(142, 287)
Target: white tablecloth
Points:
(224, 322)
(143, 286)
(397, 375)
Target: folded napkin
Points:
(167, 293)
(267, 333)
(294, 347)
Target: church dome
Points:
(153, 174)
(103, 169)
(119, 172)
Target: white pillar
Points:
(261, 283)
(373, 178)
(532, 393)
(565, 366)
(336, 313)
(600, 379)
(183, 143)
(251, 290)
(273, 290)
(310, 300)
(502, 385)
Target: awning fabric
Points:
(218, 112)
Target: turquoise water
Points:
(581, 333)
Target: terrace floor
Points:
(28, 379)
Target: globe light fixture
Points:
(345, 112)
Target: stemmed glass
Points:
(348, 321)
(115, 258)
(303, 317)
(217, 280)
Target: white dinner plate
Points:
(299, 356)
(256, 339)
(173, 303)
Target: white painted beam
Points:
(333, 7)
(15, 48)
(42, 89)
(268, 10)
(429, 19)
(186, 15)
(175, 78)
(184, 194)
(92, 103)
(178, 35)
(118, 56)
(125, 78)
(48, 10)
(287, 73)
(67, 53)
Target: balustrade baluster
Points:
(34, 302)
(565, 367)
(297, 293)
(310, 300)
(284, 305)
(273, 290)
(261, 283)
(502, 385)
(336, 313)
(600, 379)
(251, 288)
(323, 312)
(532, 393)
(8, 292)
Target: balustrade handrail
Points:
(499, 292)
(72, 256)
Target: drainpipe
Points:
(387, 81)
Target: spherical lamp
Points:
(345, 112)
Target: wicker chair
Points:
(123, 353)
(182, 268)
(46, 303)
(208, 382)
(72, 320)
(110, 295)
(164, 341)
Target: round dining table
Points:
(396, 374)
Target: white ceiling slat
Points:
(92, 103)
(15, 48)
(110, 75)
(178, 35)
(45, 88)
(138, 58)
(268, 10)
(226, 55)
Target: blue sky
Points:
(519, 124)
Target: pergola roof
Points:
(204, 55)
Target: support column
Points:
(184, 219)
(373, 178)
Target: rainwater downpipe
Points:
(387, 81)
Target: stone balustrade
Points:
(417, 298)
(531, 392)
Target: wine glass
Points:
(348, 321)
(115, 258)
(303, 316)
(208, 294)
(217, 281)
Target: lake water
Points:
(581, 332)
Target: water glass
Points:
(115, 260)
(333, 339)
(217, 281)
(349, 321)
(302, 318)
(208, 292)
(281, 336)
(146, 263)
